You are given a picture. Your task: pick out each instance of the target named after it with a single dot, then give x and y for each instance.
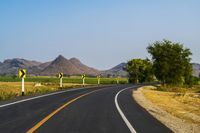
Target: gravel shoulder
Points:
(166, 116)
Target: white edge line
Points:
(28, 99)
(122, 114)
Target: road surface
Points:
(95, 110)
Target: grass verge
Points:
(9, 90)
(180, 111)
(77, 80)
(182, 105)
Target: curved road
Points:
(95, 110)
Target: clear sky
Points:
(101, 33)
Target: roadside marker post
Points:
(117, 79)
(98, 78)
(60, 75)
(22, 75)
(83, 78)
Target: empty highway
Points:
(108, 109)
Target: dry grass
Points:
(10, 90)
(185, 106)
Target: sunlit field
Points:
(77, 79)
(182, 104)
(10, 87)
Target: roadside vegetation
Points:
(9, 90)
(140, 71)
(179, 111)
(170, 65)
(10, 86)
(75, 79)
(184, 105)
(178, 92)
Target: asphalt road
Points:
(94, 110)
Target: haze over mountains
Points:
(196, 69)
(118, 70)
(71, 66)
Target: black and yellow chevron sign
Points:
(83, 76)
(22, 73)
(98, 76)
(60, 75)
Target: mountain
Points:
(44, 65)
(61, 64)
(72, 66)
(11, 66)
(196, 69)
(118, 70)
(120, 67)
(17, 62)
(83, 68)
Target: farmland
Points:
(10, 87)
(74, 79)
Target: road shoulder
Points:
(177, 125)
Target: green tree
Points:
(171, 62)
(139, 70)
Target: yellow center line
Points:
(39, 124)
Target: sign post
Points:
(98, 78)
(83, 77)
(60, 75)
(117, 79)
(22, 75)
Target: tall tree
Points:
(139, 70)
(171, 62)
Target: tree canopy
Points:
(139, 70)
(171, 62)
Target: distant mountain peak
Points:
(119, 67)
(13, 60)
(75, 60)
(118, 70)
(196, 69)
(60, 57)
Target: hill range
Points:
(196, 69)
(71, 66)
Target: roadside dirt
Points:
(166, 116)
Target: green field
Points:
(78, 80)
(10, 86)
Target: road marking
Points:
(39, 124)
(122, 114)
(28, 99)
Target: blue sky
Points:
(101, 33)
